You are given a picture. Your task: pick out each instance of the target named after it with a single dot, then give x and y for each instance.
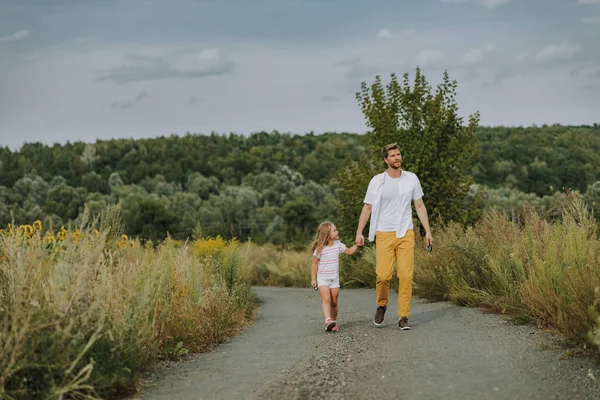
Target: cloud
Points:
(522, 56)
(494, 3)
(329, 99)
(142, 95)
(193, 100)
(589, 2)
(474, 56)
(385, 33)
(595, 20)
(148, 68)
(356, 69)
(130, 103)
(20, 35)
(125, 105)
(428, 58)
(486, 3)
(505, 74)
(558, 52)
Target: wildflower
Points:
(62, 234)
(49, 237)
(210, 246)
(28, 230)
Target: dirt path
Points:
(451, 352)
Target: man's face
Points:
(394, 159)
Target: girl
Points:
(324, 273)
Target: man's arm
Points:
(362, 221)
(422, 213)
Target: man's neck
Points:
(394, 173)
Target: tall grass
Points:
(544, 271)
(82, 316)
(273, 267)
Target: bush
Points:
(82, 316)
(534, 269)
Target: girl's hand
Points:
(313, 283)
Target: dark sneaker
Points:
(403, 324)
(379, 313)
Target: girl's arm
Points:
(351, 250)
(313, 272)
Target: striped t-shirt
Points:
(329, 261)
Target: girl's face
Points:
(334, 233)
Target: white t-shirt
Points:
(409, 189)
(390, 206)
(329, 260)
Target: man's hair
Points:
(388, 147)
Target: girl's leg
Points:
(334, 303)
(325, 301)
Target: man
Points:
(387, 202)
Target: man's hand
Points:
(362, 221)
(360, 239)
(313, 283)
(428, 239)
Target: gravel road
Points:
(450, 353)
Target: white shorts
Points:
(333, 283)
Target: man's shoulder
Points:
(378, 177)
(412, 175)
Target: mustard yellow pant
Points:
(389, 249)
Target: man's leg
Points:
(405, 257)
(384, 265)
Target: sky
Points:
(82, 70)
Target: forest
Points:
(268, 186)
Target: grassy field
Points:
(547, 272)
(83, 313)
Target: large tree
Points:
(434, 142)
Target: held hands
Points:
(360, 240)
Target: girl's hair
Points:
(322, 237)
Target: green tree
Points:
(353, 181)
(299, 216)
(592, 198)
(93, 182)
(151, 219)
(66, 201)
(433, 141)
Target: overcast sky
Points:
(88, 69)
